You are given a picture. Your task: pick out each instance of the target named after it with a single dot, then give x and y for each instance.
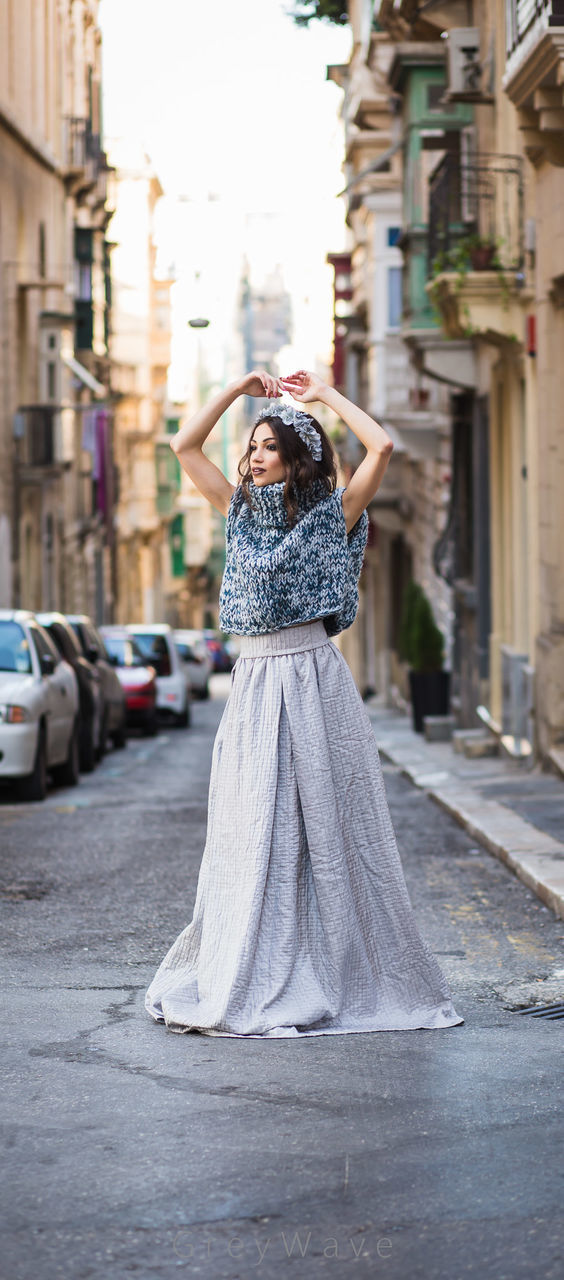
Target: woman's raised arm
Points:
(307, 387)
(188, 441)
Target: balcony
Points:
(534, 75)
(84, 156)
(476, 208)
(476, 246)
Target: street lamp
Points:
(201, 322)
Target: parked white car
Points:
(196, 660)
(156, 642)
(39, 708)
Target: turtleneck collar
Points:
(268, 501)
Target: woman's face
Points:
(266, 464)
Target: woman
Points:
(302, 923)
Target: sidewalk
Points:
(516, 813)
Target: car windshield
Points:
(124, 651)
(153, 646)
(14, 648)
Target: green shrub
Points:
(411, 597)
(428, 639)
(421, 643)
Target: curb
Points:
(535, 857)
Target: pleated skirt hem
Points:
(302, 923)
(288, 1033)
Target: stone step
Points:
(479, 747)
(438, 728)
(461, 736)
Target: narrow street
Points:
(131, 1150)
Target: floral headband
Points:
(301, 422)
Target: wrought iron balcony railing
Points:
(83, 151)
(521, 16)
(476, 210)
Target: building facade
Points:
(503, 293)
(56, 453)
(140, 352)
(476, 132)
(382, 319)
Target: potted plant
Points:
(482, 254)
(422, 646)
(470, 253)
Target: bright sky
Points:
(230, 100)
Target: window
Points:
(154, 647)
(343, 281)
(186, 653)
(59, 635)
(14, 648)
(42, 251)
(97, 640)
(83, 281)
(123, 652)
(83, 253)
(394, 297)
(393, 236)
(43, 643)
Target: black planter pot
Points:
(429, 695)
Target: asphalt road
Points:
(129, 1150)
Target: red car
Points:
(136, 676)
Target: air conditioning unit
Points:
(464, 66)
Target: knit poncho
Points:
(276, 576)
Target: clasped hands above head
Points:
(301, 385)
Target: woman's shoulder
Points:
(334, 505)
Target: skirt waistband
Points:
(303, 635)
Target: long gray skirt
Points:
(302, 924)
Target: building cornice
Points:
(415, 53)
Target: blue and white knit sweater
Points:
(276, 576)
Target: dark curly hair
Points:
(302, 469)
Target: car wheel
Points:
(67, 774)
(87, 747)
(151, 725)
(119, 737)
(103, 736)
(34, 785)
(205, 692)
(184, 718)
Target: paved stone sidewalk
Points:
(516, 813)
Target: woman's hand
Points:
(260, 383)
(303, 386)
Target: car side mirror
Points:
(92, 653)
(48, 664)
